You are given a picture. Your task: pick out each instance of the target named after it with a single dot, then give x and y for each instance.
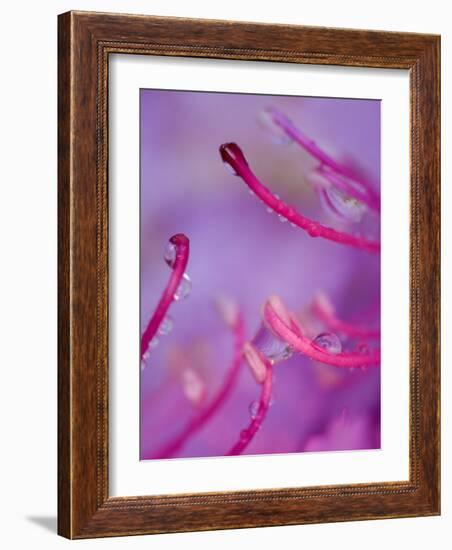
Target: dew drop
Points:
(269, 210)
(152, 345)
(253, 409)
(230, 169)
(166, 326)
(341, 206)
(184, 288)
(250, 191)
(329, 342)
(282, 219)
(169, 254)
(274, 349)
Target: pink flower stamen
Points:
(262, 371)
(302, 344)
(233, 156)
(171, 448)
(182, 250)
(324, 310)
(369, 196)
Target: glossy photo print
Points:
(260, 274)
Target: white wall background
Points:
(28, 269)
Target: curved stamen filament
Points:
(296, 135)
(182, 245)
(171, 448)
(275, 315)
(258, 363)
(232, 155)
(323, 310)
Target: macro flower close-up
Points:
(260, 274)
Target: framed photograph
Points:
(248, 275)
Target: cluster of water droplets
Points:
(331, 343)
(183, 290)
(166, 326)
(185, 286)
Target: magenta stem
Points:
(247, 435)
(182, 245)
(171, 448)
(338, 325)
(232, 154)
(304, 345)
(294, 133)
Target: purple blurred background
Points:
(239, 249)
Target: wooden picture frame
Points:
(86, 40)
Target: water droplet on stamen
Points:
(184, 288)
(253, 409)
(275, 350)
(153, 343)
(341, 206)
(282, 219)
(329, 342)
(166, 326)
(230, 169)
(269, 210)
(169, 254)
